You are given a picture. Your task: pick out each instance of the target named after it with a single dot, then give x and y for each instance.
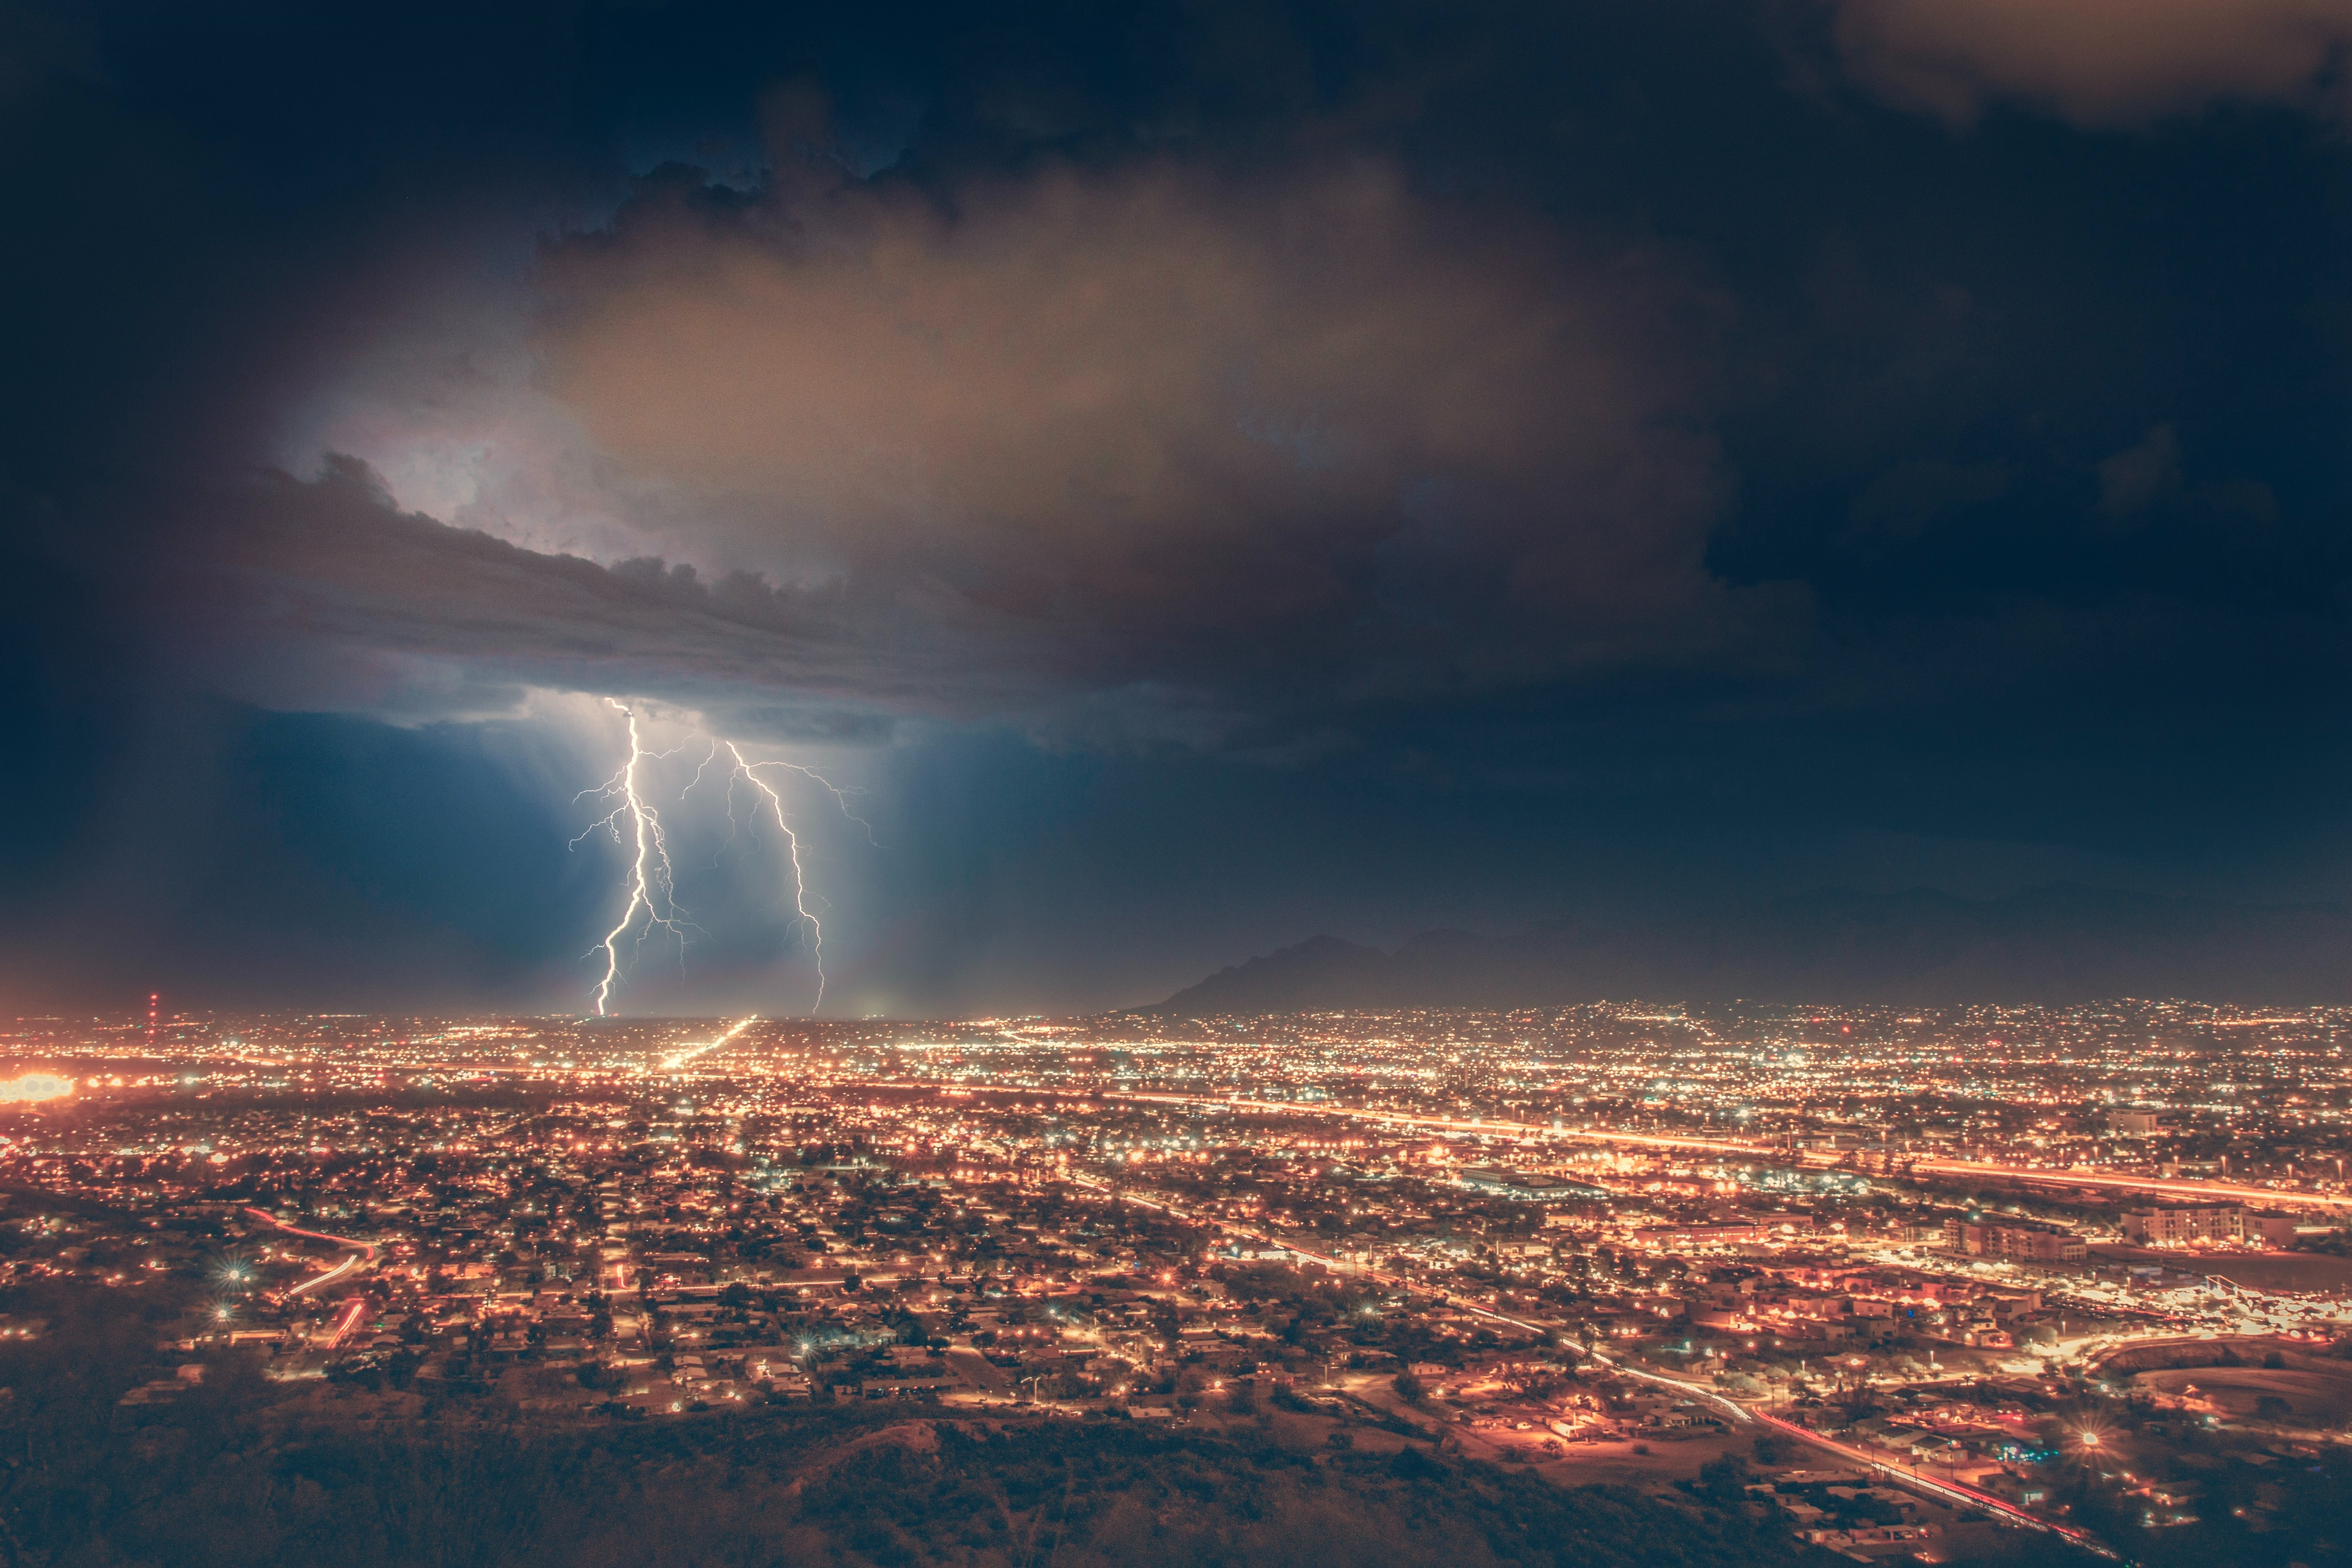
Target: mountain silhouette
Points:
(2053, 946)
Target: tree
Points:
(1722, 1480)
(1409, 1389)
(1536, 1382)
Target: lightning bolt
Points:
(750, 771)
(652, 884)
(840, 793)
(649, 871)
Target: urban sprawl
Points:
(1920, 1273)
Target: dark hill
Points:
(247, 1471)
(2051, 944)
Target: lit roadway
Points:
(1951, 1492)
(365, 1252)
(1722, 1148)
(1948, 1491)
(315, 1281)
(2196, 1191)
(367, 1248)
(357, 1308)
(1451, 1123)
(1731, 1148)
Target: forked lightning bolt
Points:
(650, 884)
(791, 843)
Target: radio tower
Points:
(153, 997)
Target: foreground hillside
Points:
(239, 1470)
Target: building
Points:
(2177, 1225)
(2014, 1241)
(2272, 1230)
(1684, 1236)
(1527, 1187)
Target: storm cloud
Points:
(1213, 473)
(2099, 62)
(1259, 445)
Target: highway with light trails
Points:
(1723, 1148)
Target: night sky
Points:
(1207, 474)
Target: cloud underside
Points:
(1265, 451)
(2097, 62)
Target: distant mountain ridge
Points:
(2051, 944)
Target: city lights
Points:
(1554, 1230)
(35, 1086)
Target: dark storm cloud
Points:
(324, 595)
(1276, 443)
(1179, 372)
(1609, 448)
(2098, 62)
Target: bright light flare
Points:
(35, 1086)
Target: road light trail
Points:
(1948, 1492)
(1532, 1132)
(357, 1308)
(1729, 1149)
(315, 1281)
(361, 1252)
(1723, 1148)
(1454, 1123)
(678, 1059)
(2207, 1191)
(366, 1247)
